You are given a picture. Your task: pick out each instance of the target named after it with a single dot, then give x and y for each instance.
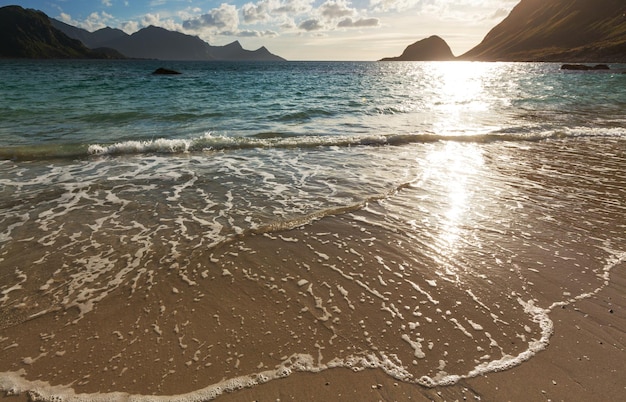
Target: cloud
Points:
(92, 23)
(439, 7)
(224, 19)
(311, 25)
(499, 14)
(130, 27)
(155, 19)
(257, 34)
(336, 9)
(360, 23)
(293, 7)
(107, 3)
(65, 18)
(393, 5)
(256, 12)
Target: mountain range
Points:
(547, 30)
(31, 34)
(535, 30)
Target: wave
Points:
(210, 142)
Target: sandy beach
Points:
(480, 281)
(584, 361)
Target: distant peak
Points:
(235, 44)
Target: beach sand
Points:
(584, 362)
(424, 289)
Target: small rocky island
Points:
(430, 49)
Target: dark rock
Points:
(584, 67)
(165, 71)
(430, 49)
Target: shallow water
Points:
(165, 236)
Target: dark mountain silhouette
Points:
(159, 43)
(26, 33)
(90, 39)
(429, 49)
(557, 30)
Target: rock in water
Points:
(583, 67)
(165, 71)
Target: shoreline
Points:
(583, 362)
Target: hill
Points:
(430, 49)
(557, 30)
(26, 33)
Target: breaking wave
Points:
(210, 142)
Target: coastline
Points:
(583, 362)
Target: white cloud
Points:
(256, 12)
(360, 23)
(66, 18)
(311, 25)
(293, 7)
(155, 19)
(336, 9)
(439, 7)
(257, 34)
(224, 19)
(130, 27)
(107, 3)
(92, 23)
(393, 5)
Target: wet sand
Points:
(584, 362)
(448, 280)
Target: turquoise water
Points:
(73, 104)
(242, 222)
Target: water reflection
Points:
(458, 98)
(461, 98)
(455, 170)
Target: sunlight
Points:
(461, 99)
(454, 169)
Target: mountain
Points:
(429, 49)
(159, 43)
(26, 33)
(90, 39)
(557, 30)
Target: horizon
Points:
(297, 30)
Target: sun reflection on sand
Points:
(455, 167)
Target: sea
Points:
(178, 237)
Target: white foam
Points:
(160, 145)
(416, 345)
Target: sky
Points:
(295, 29)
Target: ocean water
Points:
(182, 236)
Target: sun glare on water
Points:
(462, 96)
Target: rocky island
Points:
(429, 49)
